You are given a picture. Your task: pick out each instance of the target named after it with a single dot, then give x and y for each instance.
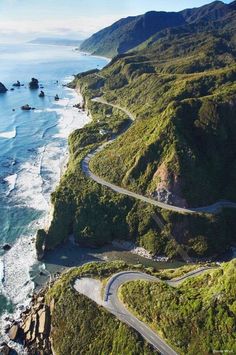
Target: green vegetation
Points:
(180, 86)
(170, 274)
(159, 151)
(198, 317)
(125, 34)
(82, 327)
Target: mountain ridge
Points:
(128, 33)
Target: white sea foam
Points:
(11, 181)
(28, 188)
(16, 285)
(32, 187)
(8, 135)
(1, 270)
(17, 264)
(71, 118)
(37, 179)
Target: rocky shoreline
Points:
(33, 329)
(122, 244)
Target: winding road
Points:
(111, 300)
(114, 305)
(211, 209)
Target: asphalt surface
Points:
(211, 209)
(121, 190)
(116, 307)
(111, 299)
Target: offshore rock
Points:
(3, 89)
(34, 84)
(6, 247)
(17, 84)
(42, 94)
(26, 108)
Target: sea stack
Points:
(42, 94)
(3, 89)
(34, 84)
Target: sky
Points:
(76, 19)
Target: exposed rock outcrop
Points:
(26, 108)
(13, 332)
(17, 84)
(34, 84)
(77, 106)
(3, 89)
(168, 189)
(42, 94)
(6, 247)
(34, 327)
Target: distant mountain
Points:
(128, 33)
(57, 41)
(209, 12)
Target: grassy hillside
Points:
(89, 328)
(96, 215)
(182, 90)
(80, 326)
(198, 317)
(212, 11)
(127, 33)
(180, 86)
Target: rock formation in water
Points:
(42, 94)
(3, 89)
(26, 108)
(34, 84)
(17, 84)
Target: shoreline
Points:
(42, 222)
(95, 56)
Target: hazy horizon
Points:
(21, 20)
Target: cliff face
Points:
(168, 187)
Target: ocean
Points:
(33, 150)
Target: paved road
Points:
(212, 209)
(120, 190)
(116, 307)
(101, 100)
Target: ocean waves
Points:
(33, 154)
(8, 135)
(30, 187)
